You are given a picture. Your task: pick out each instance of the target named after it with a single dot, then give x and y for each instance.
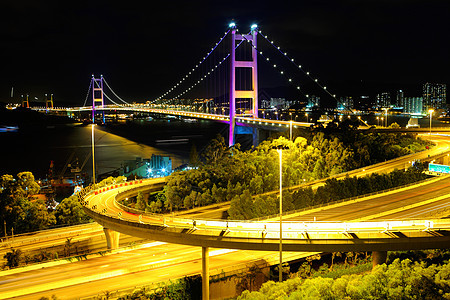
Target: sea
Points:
(35, 149)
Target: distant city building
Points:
(363, 103)
(434, 96)
(345, 102)
(413, 105)
(278, 103)
(156, 166)
(400, 98)
(313, 101)
(383, 100)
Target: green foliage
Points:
(228, 172)
(141, 203)
(181, 289)
(402, 279)
(354, 186)
(70, 212)
(16, 206)
(111, 180)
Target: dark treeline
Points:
(247, 207)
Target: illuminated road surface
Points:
(155, 263)
(391, 206)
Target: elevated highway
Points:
(299, 232)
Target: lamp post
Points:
(280, 156)
(93, 155)
(431, 114)
(280, 270)
(290, 130)
(386, 116)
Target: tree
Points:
(242, 207)
(216, 151)
(70, 212)
(141, 203)
(194, 159)
(13, 258)
(17, 207)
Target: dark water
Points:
(33, 149)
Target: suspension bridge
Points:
(223, 86)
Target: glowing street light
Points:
(430, 111)
(386, 109)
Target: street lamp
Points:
(290, 130)
(93, 155)
(280, 156)
(431, 114)
(386, 109)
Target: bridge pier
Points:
(205, 273)
(112, 238)
(378, 258)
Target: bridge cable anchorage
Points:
(114, 92)
(204, 76)
(323, 87)
(192, 71)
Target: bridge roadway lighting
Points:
(430, 111)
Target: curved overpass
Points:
(104, 206)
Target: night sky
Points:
(143, 49)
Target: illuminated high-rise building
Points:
(434, 96)
(413, 105)
(383, 100)
(400, 98)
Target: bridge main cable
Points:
(193, 69)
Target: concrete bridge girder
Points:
(196, 236)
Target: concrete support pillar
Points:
(205, 273)
(378, 258)
(112, 238)
(255, 137)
